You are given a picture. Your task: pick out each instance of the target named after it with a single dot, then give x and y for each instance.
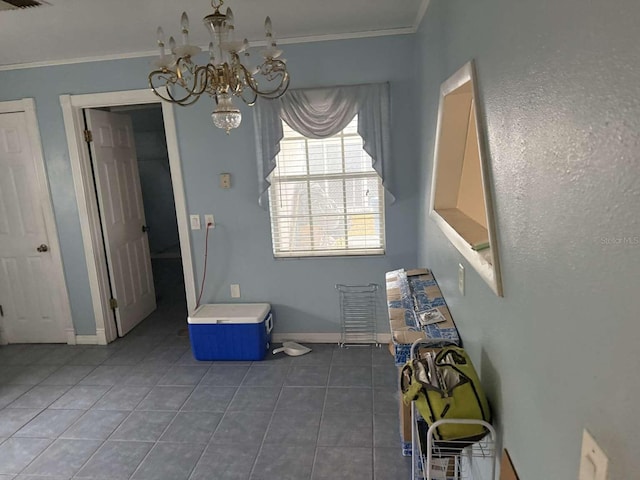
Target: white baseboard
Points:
(71, 336)
(319, 337)
(98, 339)
(87, 340)
(101, 336)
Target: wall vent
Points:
(21, 4)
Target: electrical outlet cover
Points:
(225, 180)
(593, 461)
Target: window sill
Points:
(329, 254)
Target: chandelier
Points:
(178, 79)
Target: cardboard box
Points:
(411, 293)
(507, 472)
(405, 421)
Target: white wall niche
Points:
(461, 203)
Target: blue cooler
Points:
(231, 331)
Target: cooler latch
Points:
(269, 323)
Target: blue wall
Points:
(302, 291)
(558, 83)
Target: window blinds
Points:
(325, 197)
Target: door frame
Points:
(72, 107)
(28, 107)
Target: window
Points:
(325, 198)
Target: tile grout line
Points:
(373, 419)
(273, 414)
(156, 442)
(165, 368)
(104, 441)
(118, 426)
(37, 456)
(195, 465)
(324, 406)
(66, 365)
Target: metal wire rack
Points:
(358, 315)
(452, 459)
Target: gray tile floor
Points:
(143, 408)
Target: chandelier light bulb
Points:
(184, 22)
(172, 45)
(268, 28)
(230, 19)
(162, 61)
(160, 36)
(212, 56)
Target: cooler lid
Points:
(230, 313)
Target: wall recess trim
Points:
(461, 202)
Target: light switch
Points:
(235, 290)
(593, 461)
(225, 180)
(195, 222)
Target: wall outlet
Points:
(461, 278)
(235, 290)
(225, 180)
(209, 220)
(195, 222)
(593, 461)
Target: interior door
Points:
(122, 215)
(29, 285)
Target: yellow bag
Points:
(445, 386)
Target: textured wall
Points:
(559, 89)
(302, 291)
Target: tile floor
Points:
(143, 408)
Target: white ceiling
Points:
(68, 30)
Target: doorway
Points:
(110, 271)
(158, 200)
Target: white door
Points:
(30, 290)
(122, 214)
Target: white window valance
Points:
(321, 113)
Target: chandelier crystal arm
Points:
(192, 83)
(168, 96)
(272, 70)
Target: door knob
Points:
(145, 228)
(43, 248)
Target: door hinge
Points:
(113, 303)
(1, 311)
(88, 136)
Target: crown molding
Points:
(153, 53)
(421, 13)
(71, 61)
